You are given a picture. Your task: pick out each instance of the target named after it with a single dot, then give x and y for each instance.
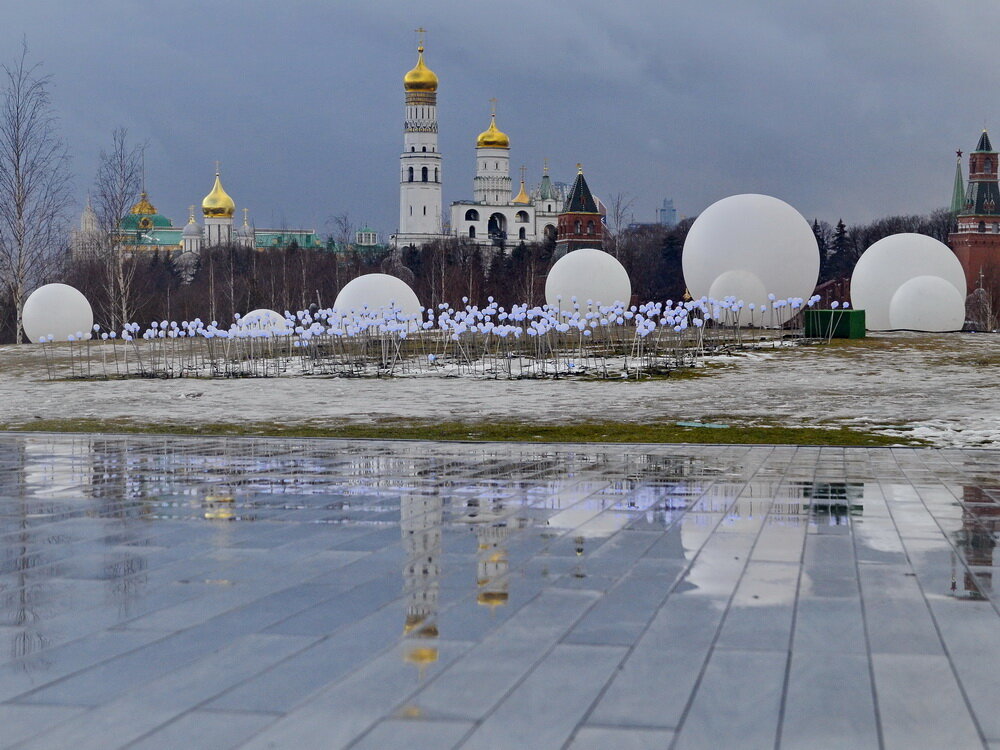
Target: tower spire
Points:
(958, 191)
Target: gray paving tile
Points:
(543, 710)
(601, 738)
(829, 703)
(737, 702)
(920, 703)
(205, 729)
(23, 722)
(831, 625)
(414, 733)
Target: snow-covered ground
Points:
(944, 388)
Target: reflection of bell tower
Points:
(420, 523)
(492, 566)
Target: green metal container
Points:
(838, 324)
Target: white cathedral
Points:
(495, 216)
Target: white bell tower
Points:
(420, 163)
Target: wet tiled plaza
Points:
(216, 593)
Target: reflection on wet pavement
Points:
(162, 592)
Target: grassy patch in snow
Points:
(491, 431)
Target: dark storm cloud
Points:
(845, 109)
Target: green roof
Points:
(984, 143)
(131, 222)
(580, 201)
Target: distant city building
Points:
(976, 241)
(667, 215)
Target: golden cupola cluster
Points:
(493, 137)
(218, 203)
(421, 78)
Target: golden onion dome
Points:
(493, 137)
(522, 197)
(218, 203)
(421, 78)
(143, 206)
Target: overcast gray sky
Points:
(843, 108)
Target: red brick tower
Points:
(976, 242)
(579, 225)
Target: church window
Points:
(520, 233)
(521, 217)
(424, 149)
(435, 174)
(472, 232)
(982, 226)
(996, 228)
(496, 165)
(988, 165)
(472, 215)
(425, 210)
(590, 227)
(411, 174)
(576, 226)
(550, 232)
(423, 174)
(548, 207)
(411, 210)
(413, 148)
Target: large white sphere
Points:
(927, 303)
(375, 291)
(891, 262)
(745, 287)
(758, 235)
(57, 310)
(263, 319)
(587, 274)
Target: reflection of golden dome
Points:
(492, 598)
(218, 203)
(415, 625)
(492, 137)
(422, 655)
(218, 508)
(421, 78)
(143, 206)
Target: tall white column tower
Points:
(420, 164)
(492, 182)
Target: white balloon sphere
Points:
(587, 274)
(927, 303)
(758, 235)
(263, 319)
(375, 291)
(745, 287)
(56, 310)
(891, 262)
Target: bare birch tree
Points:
(118, 181)
(34, 182)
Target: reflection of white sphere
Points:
(744, 286)
(587, 274)
(891, 262)
(374, 291)
(264, 320)
(58, 310)
(927, 303)
(756, 234)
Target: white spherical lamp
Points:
(927, 303)
(264, 320)
(56, 310)
(755, 236)
(891, 262)
(375, 291)
(588, 274)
